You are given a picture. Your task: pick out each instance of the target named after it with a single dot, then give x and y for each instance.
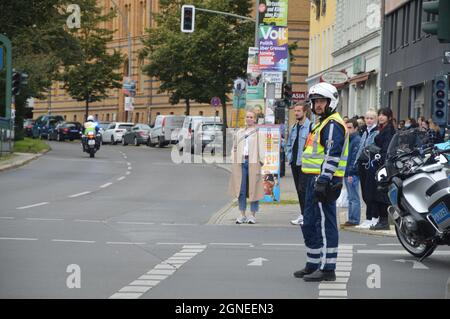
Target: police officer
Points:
(90, 126)
(324, 160)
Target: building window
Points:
(217, 113)
(158, 113)
(75, 118)
(107, 117)
(171, 113)
(141, 76)
(65, 117)
(419, 19)
(96, 117)
(200, 113)
(405, 25)
(316, 4)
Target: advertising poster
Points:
(271, 167)
(259, 107)
(273, 12)
(273, 48)
(255, 87)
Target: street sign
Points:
(273, 77)
(129, 103)
(215, 101)
(335, 77)
(298, 96)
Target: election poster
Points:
(273, 48)
(271, 168)
(273, 12)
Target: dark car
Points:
(44, 123)
(137, 135)
(66, 131)
(28, 127)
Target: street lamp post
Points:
(125, 24)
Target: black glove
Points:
(320, 191)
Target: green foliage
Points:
(29, 145)
(94, 70)
(203, 64)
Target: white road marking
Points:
(388, 244)
(126, 295)
(89, 220)
(191, 251)
(123, 243)
(180, 258)
(232, 244)
(34, 205)
(45, 219)
(141, 289)
(336, 293)
(121, 178)
(153, 277)
(342, 274)
(79, 194)
(130, 168)
(11, 238)
(332, 286)
(283, 244)
(106, 185)
(397, 252)
(168, 224)
(6, 217)
(178, 244)
(128, 163)
(135, 223)
(194, 246)
(127, 173)
(74, 241)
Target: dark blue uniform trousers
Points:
(319, 231)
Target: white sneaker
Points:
(374, 221)
(365, 225)
(241, 220)
(251, 220)
(298, 221)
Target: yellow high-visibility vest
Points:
(314, 153)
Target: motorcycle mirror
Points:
(382, 174)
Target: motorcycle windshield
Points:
(404, 142)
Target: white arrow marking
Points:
(416, 264)
(257, 261)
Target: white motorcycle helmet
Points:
(327, 91)
(91, 118)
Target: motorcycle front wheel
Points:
(92, 153)
(419, 250)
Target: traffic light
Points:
(440, 100)
(441, 28)
(16, 79)
(287, 94)
(187, 18)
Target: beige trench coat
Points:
(256, 150)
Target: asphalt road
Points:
(132, 224)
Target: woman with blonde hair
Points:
(247, 156)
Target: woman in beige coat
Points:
(247, 160)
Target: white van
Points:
(165, 130)
(186, 135)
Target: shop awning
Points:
(363, 77)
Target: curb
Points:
(382, 233)
(218, 216)
(23, 162)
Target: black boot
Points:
(303, 272)
(383, 224)
(321, 275)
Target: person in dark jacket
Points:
(382, 140)
(351, 177)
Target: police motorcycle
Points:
(416, 179)
(90, 140)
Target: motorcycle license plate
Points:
(91, 142)
(440, 214)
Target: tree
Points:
(41, 45)
(95, 69)
(203, 64)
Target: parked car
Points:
(137, 135)
(186, 134)
(45, 122)
(114, 132)
(28, 127)
(103, 126)
(165, 130)
(66, 131)
(208, 133)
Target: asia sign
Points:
(273, 12)
(273, 48)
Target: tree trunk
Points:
(225, 125)
(86, 114)
(188, 107)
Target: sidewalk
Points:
(17, 160)
(280, 215)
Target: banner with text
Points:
(273, 48)
(271, 167)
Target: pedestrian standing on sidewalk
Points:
(294, 150)
(351, 178)
(247, 157)
(382, 140)
(363, 163)
(324, 160)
